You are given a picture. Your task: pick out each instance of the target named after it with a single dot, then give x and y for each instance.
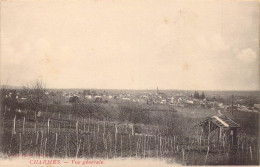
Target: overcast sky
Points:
(139, 44)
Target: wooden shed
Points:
(219, 128)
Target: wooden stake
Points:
(37, 136)
(130, 149)
(115, 142)
(160, 145)
(206, 156)
(41, 148)
(116, 128)
(23, 123)
(149, 148)
(121, 145)
(78, 148)
(11, 143)
(20, 150)
(14, 132)
(133, 132)
(48, 124)
(110, 144)
(59, 123)
(66, 146)
(171, 144)
(251, 155)
(45, 147)
(3, 124)
(56, 138)
(104, 142)
(157, 150)
(144, 145)
(77, 129)
(96, 140)
(174, 142)
(137, 146)
(209, 133)
(200, 141)
(183, 156)
(104, 126)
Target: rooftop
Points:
(221, 121)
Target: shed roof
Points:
(220, 121)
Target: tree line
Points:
(199, 96)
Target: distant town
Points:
(212, 100)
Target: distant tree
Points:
(35, 94)
(98, 100)
(84, 93)
(94, 93)
(202, 96)
(8, 98)
(74, 99)
(196, 95)
(36, 98)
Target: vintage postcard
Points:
(140, 83)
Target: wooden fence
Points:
(57, 137)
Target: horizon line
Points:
(173, 89)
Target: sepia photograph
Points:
(143, 83)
